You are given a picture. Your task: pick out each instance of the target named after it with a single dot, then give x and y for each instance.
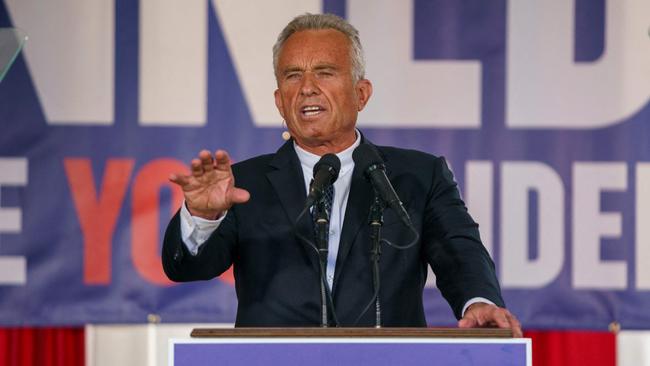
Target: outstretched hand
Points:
(209, 189)
(483, 315)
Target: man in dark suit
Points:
(321, 88)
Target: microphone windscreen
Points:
(365, 156)
(332, 162)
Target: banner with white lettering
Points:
(541, 108)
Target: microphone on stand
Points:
(367, 158)
(326, 171)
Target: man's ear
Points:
(364, 92)
(278, 102)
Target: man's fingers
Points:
(196, 167)
(207, 162)
(179, 179)
(515, 325)
(502, 318)
(222, 160)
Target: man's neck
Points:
(328, 147)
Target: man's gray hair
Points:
(324, 21)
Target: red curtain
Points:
(552, 348)
(42, 347)
(65, 347)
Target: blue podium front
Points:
(350, 351)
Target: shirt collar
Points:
(308, 160)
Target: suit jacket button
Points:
(178, 256)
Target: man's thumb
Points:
(239, 195)
(467, 323)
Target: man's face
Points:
(316, 94)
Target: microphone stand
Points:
(322, 237)
(376, 220)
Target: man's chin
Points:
(309, 141)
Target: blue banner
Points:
(541, 109)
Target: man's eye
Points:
(325, 73)
(293, 75)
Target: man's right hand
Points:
(210, 188)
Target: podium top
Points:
(350, 332)
(11, 42)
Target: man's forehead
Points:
(325, 44)
(329, 38)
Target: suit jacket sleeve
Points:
(213, 258)
(453, 247)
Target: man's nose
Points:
(309, 85)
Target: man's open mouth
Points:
(311, 110)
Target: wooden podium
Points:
(350, 346)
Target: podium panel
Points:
(349, 350)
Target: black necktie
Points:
(326, 200)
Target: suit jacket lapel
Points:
(289, 184)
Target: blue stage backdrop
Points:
(540, 107)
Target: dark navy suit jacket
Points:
(277, 276)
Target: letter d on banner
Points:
(517, 268)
